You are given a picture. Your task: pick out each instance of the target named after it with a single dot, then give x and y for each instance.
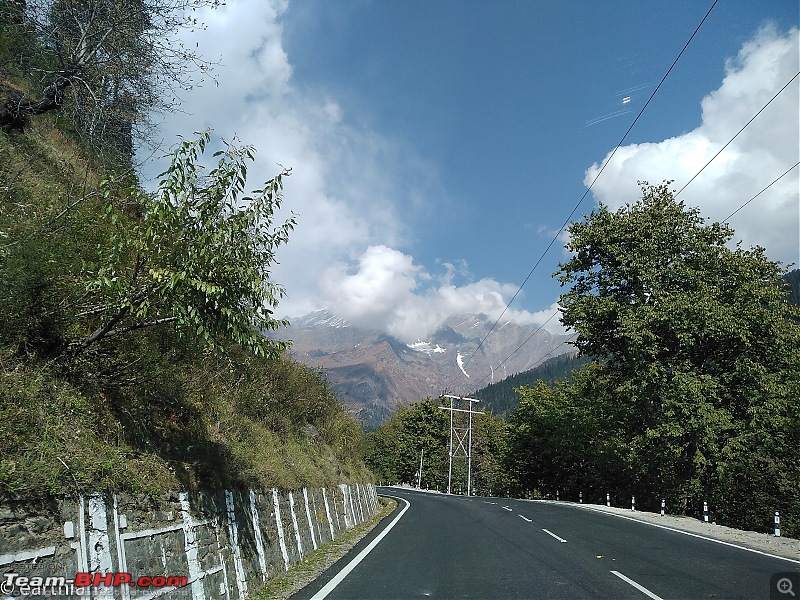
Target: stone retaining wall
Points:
(225, 545)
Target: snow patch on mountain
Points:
(426, 348)
(460, 361)
(319, 318)
(371, 371)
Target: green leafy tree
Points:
(394, 448)
(568, 438)
(792, 279)
(423, 429)
(700, 347)
(198, 256)
(489, 446)
(501, 397)
(537, 440)
(383, 450)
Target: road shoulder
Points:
(762, 542)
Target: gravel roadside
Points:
(763, 542)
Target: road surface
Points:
(456, 547)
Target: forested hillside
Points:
(792, 279)
(691, 395)
(501, 398)
(131, 353)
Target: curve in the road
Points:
(339, 577)
(481, 548)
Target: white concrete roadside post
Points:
(777, 524)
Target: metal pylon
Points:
(461, 435)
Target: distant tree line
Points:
(792, 279)
(421, 433)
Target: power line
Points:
(541, 359)
(683, 188)
(737, 134)
(602, 168)
(527, 339)
(728, 143)
(774, 181)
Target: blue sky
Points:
(438, 146)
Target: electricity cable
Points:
(588, 189)
(540, 359)
(683, 188)
(774, 181)
(737, 134)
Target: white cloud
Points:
(349, 186)
(388, 292)
(370, 296)
(346, 182)
(760, 154)
(550, 319)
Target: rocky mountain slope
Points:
(372, 372)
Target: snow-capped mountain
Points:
(372, 372)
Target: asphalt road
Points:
(494, 548)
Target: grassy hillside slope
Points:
(149, 410)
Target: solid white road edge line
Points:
(339, 577)
(689, 533)
(526, 518)
(562, 540)
(641, 588)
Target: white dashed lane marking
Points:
(550, 533)
(641, 588)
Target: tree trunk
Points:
(16, 108)
(102, 331)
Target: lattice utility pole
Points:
(461, 435)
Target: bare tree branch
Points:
(155, 323)
(114, 62)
